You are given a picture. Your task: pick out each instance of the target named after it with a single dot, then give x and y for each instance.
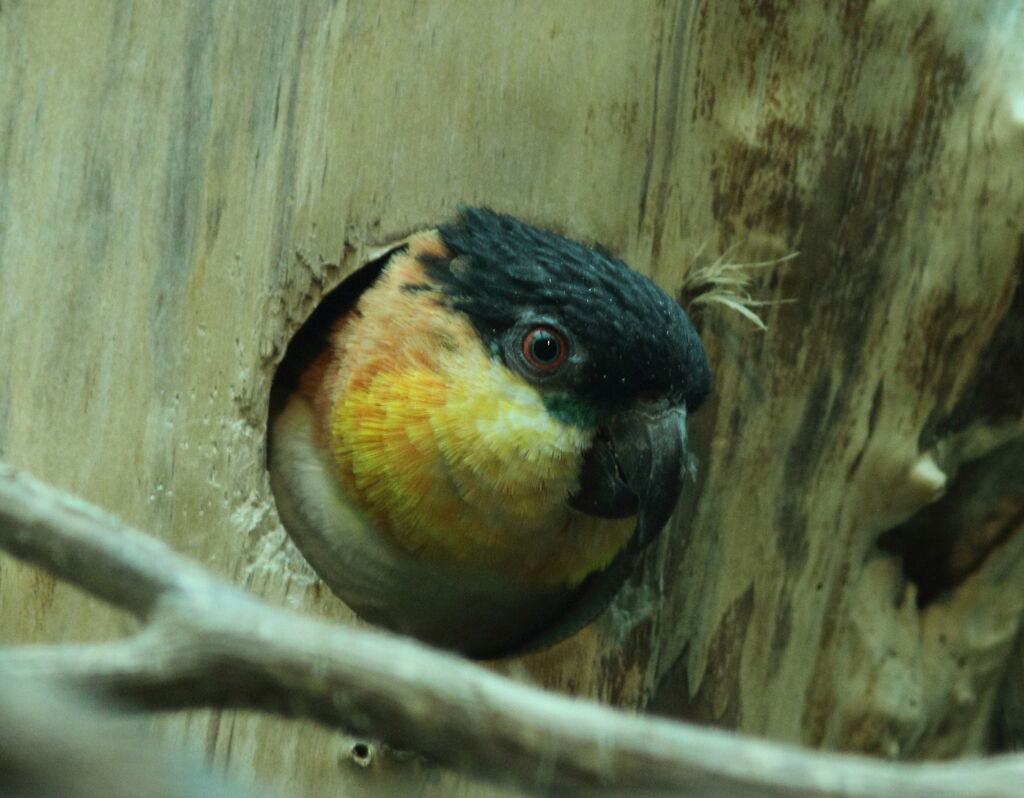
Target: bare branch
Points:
(80, 544)
(208, 644)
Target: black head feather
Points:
(638, 341)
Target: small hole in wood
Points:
(361, 753)
(358, 752)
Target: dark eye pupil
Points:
(545, 347)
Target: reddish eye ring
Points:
(544, 348)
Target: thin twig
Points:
(206, 643)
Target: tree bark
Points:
(181, 183)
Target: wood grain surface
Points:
(181, 182)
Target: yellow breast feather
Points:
(454, 456)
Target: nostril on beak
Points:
(653, 401)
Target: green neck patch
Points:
(572, 410)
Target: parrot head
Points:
(604, 347)
(490, 435)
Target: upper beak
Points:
(636, 467)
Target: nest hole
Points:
(311, 339)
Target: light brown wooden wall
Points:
(181, 181)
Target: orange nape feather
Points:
(451, 455)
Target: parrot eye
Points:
(544, 348)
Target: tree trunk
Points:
(180, 184)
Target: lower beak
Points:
(636, 467)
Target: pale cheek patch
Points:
(509, 442)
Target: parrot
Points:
(476, 450)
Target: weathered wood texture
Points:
(179, 183)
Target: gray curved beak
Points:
(636, 466)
